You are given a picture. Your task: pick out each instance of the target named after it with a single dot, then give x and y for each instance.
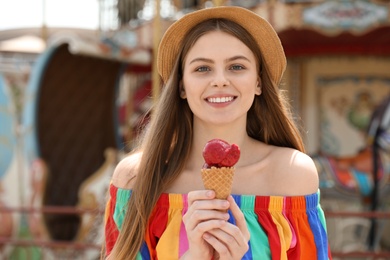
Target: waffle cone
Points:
(218, 179)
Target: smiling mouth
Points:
(220, 99)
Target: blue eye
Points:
(202, 69)
(237, 67)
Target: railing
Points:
(68, 210)
(359, 254)
(48, 244)
(63, 210)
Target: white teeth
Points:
(220, 99)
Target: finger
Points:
(195, 217)
(201, 211)
(210, 204)
(232, 238)
(239, 217)
(225, 237)
(204, 200)
(200, 195)
(221, 248)
(207, 226)
(230, 235)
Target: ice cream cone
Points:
(218, 179)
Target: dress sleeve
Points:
(115, 212)
(309, 224)
(292, 228)
(111, 230)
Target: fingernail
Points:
(210, 194)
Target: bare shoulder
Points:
(297, 169)
(126, 171)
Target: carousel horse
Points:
(379, 138)
(351, 175)
(8, 185)
(71, 147)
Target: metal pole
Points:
(44, 25)
(156, 41)
(218, 2)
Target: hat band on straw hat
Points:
(265, 36)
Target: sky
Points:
(59, 13)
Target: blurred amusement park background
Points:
(74, 94)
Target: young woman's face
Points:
(220, 79)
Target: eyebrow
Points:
(238, 57)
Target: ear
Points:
(258, 88)
(182, 90)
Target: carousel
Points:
(86, 99)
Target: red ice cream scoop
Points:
(219, 153)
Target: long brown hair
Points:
(168, 138)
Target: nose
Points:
(220, 79)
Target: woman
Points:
(221, 68)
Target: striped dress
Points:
(280, 227)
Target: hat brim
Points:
(263, 33)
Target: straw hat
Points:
(265, 36)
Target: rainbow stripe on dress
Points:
(281, 227)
